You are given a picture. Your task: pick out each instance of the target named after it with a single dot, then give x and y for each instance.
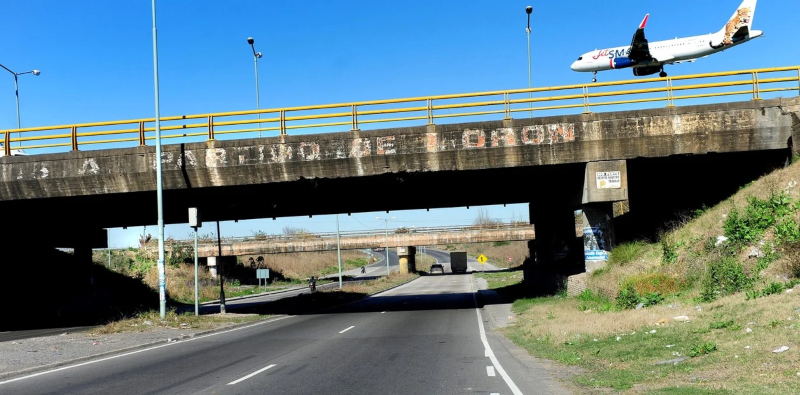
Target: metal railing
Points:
(406, 110)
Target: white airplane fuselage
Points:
(663, 52)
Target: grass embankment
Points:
(694, 313)
(150, 320)
(496, 252)
(285, 270)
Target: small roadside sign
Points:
(482, 259)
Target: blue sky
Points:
(96, 60)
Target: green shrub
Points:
(627, 297)
(787, 230)
(702, 349)
(501, 243)
(760, 215)
(669, 251)
(651, 299)
(725, 276)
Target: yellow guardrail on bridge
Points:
(427, 108)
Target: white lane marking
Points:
(495, 393)
(251, 375)
(347, 329)
(488, 349)
(486, 353)
(140, 351)
(490, 371)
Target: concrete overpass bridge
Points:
(625, 169)
(316, 242)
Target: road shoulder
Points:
(533, 375)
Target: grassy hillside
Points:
(712, 307)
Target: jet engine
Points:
(649, 70)
(621, 63)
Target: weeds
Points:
(702, 349)
(669, 251)
(758, 216)
(626, 253)
(773, 288)
(725, 276)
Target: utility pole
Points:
(221, 274)
(339, 250)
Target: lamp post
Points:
(529, 10)
(386, 222)
(256, 56)
(162, 279)
(16, 89)
(339, 250)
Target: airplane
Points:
(649, 58)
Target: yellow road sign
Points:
(482, 259)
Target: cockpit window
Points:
(581, 58)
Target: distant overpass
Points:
(258, 245)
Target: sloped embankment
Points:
(713, 307)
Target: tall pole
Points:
(386, 221)
(256, 55)
(162, 278)
(339, 250)
(258, 105)
(221, 275)
(529, 10)
(196, 304)
(16, 90)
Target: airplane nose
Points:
(574, 66)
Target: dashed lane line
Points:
(251, 375)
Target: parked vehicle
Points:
(458, 261)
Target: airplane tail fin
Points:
(739, 26)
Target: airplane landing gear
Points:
(662, 74)
(594, 78)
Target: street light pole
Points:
(339, 250)
(256, 56)
(529, 10)
(386, 222)
(162, 278)
(16, 90)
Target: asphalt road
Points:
(426, 337)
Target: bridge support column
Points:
(605, 192)
(553, 252)
(407, 259)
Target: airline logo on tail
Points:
(738, 26)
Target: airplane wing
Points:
(640, 49)
(687, 60)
